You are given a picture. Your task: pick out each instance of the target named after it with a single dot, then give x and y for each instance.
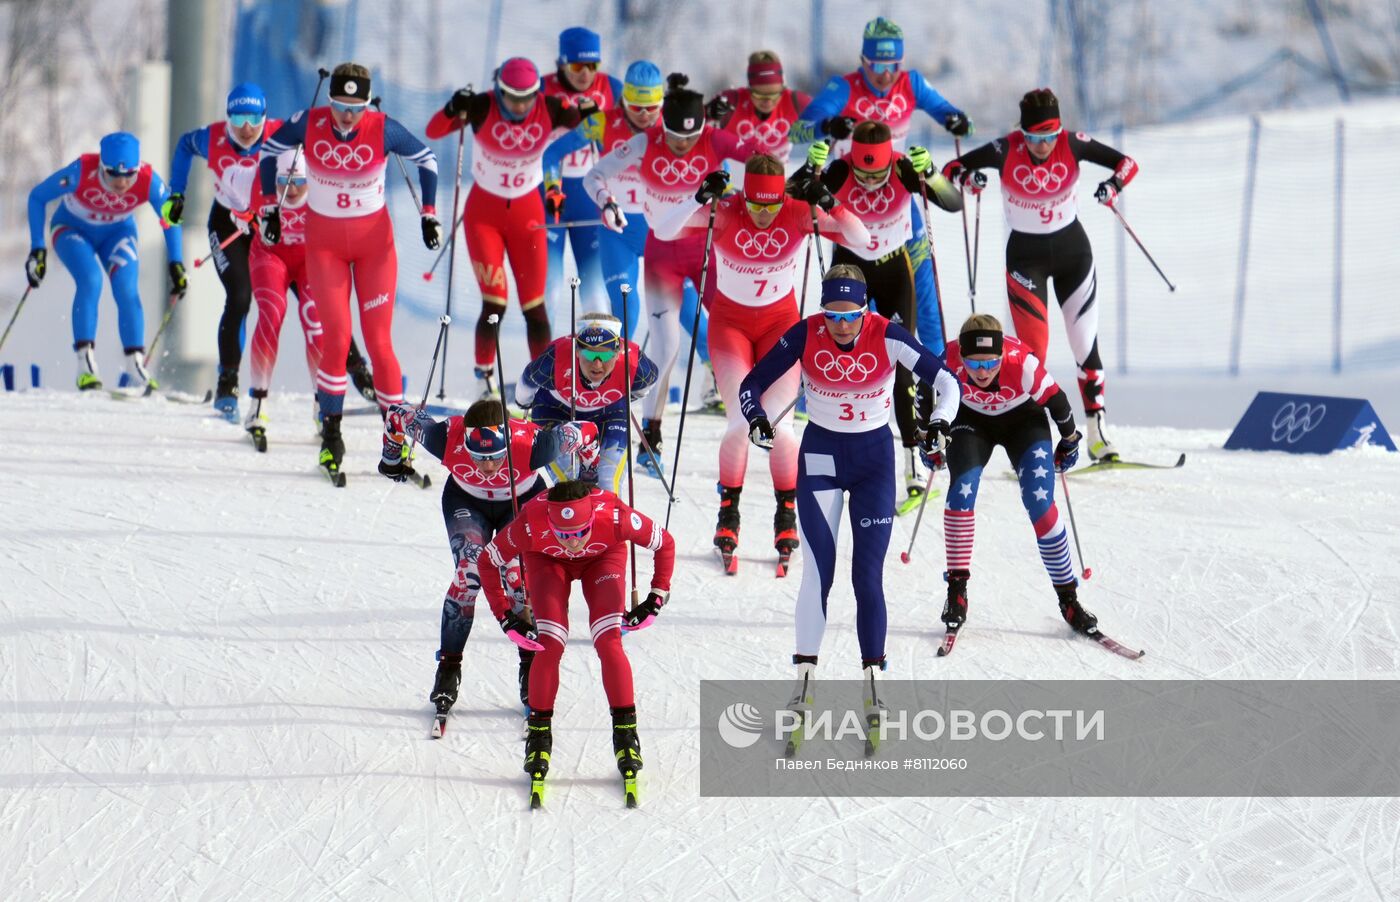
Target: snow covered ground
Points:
(215, 668)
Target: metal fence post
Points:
(1252, 164)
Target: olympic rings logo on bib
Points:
(1293, 421)
(342, 156)
(768, 134)
(517, 137)
(589, 398)
(845, 366)
(871, 203)
(105, 200)
(674, 172)
(884, 109)
(293, 219)
(225, 163)
(765, 245)
(1040, 180)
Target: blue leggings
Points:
(585, 243)
(831, 464)
(621, 258)
(925, 289)
(80, 246)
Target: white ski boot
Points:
(1099, 445)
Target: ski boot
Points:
(627, 750)
(875, 708)
(525, 658)
(915, 479)
(727, 527)
(226, 395)
(136, 375)
(539, 742)
(332, 449)
(785, 528)
(651, 432)
(360, 376)
(446, 682)
(1074, 614)
(88, 378)
(1099, 445)
(801, 701)
(954, 609)
(256, 423)
(485, 383)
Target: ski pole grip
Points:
(493, 318)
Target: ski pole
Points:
(495, 320)
(322, 75)
(690, 364)
(928, 489)
(165, 321)
(15, 316)
(646, 446)
(627, 379)
(403, 170)
(933, 261)
(573, 359)
(1138, 242)
(1069, 508)
(443, 322)
(967, 247)
(976, 248)
(222, 244)
(442, 252)
(566, 225)
(452, 253)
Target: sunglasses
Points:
(845, 316)
(575, 534)
(583, 67)
(1041, 137)
(870, 176)
(882, 68)
(765, 95)
(342, 107)
(596, 355)
(482, 458)
(639, 108)
(120, 173)
(976, 365)
(239, 120)
(296, 181)
(763, 208)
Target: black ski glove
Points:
(712, 187)
(36, 266)
(839, 127)
(178, 283)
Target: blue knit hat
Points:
(120, 151)
(883, 41)
(247, 99)
(643, 84)
(579, 45)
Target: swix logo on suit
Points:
(495, 487)
(895, 108)
(670, 179)
(595, 398)
(757, 267)
(763, 135)
(1022, 378)
(506, 161)
(92, 202)
(575, 165)
(235, 169)
(885, 213)
(848, 390)
(1039, 197)
(345, 177)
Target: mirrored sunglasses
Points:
(983, 364)
(870, 176)
(114, 173)
(882, 68)
(574, 534)
(844, 316)
(295, 181)
(643, 108)
(583, 67)
(342, 107)
(596, 355)
(763, 208)
(1041, 137)
(239, 120)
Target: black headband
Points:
(350, 86)
(979, 341)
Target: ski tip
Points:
(631, 800)
(536, 801)
(1180, 461)
(439, 726)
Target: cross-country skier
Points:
(578, 532)
(94, 232)
(764, 112)
(511, 125)
(621, 244)
(877, 183)
(275, 270)
(581, 378)
(882, 90)
(487, 487)
(672, 159)
(1039, 168)
(231, 148)
(1005, 395)
(848, 357)
(577, 75)
(758, 242)
(349, 235)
